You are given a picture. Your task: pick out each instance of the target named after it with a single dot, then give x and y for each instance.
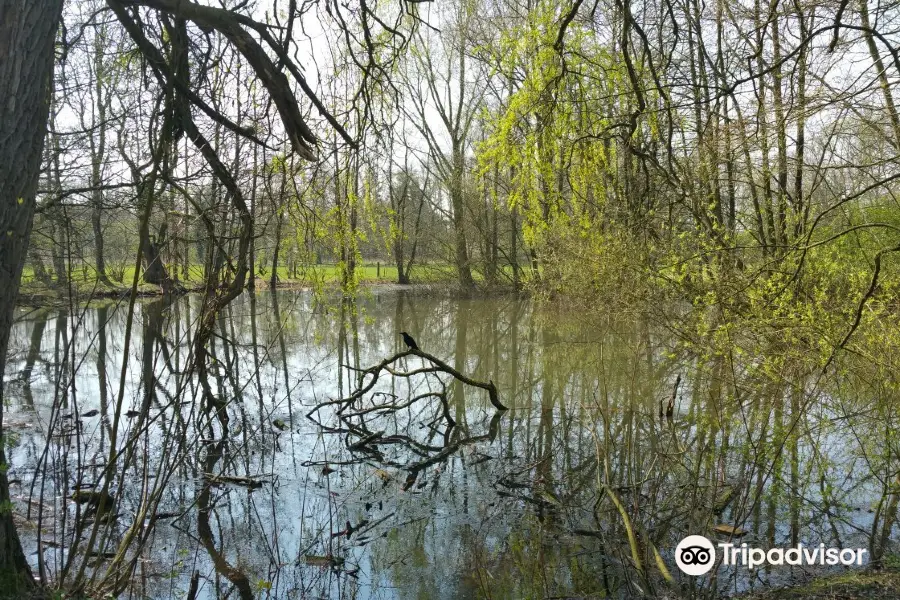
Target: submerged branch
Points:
(439, 366)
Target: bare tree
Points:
(444, 82)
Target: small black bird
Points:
(409, 341)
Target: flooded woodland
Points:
(338, 464)
(502, 299)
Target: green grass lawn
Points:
(84, 279)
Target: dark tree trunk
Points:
(491, 253)
(402, 273)
(155, 271)
(462, 252)
(275, 251)
(58, 232)
(27, 34)
(97, 226)
(351, 243)
(37, 264)
(98, 156)
(463, 267)
(251, 276)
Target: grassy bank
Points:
(855, 585)
(84, 281)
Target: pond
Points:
(420, 487)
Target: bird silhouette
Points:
(409, 341)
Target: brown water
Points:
(539, 501)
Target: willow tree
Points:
(560, 136)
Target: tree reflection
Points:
(415, 483)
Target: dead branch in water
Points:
(369, 377)
(362, 417)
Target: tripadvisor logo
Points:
(696, 555)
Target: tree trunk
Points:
(97, 227)
(154, 270)
(462, 252)
(763, 119)
(275, 250)
(38, 266)
(780, 132)
(27, 34)
(402, 275)
(98, 156)
(800, 205)
(492, 241)
(459, 228)
(58, 232)
(251, 279)
(881, 71)
(352, 249)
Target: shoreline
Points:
(39, 296)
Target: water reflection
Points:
(581, 488)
